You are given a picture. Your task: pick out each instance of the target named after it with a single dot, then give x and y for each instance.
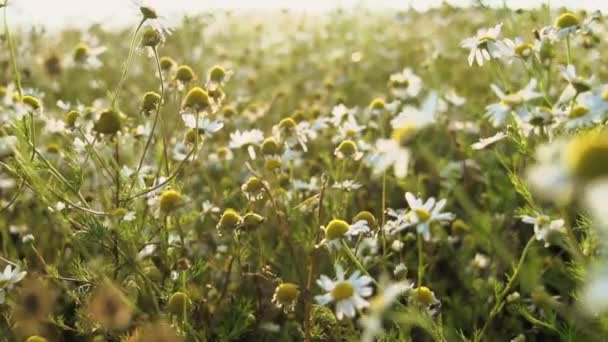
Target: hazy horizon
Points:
(78, 13)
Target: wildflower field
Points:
(357, 175)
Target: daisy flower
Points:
(205, 125)
(423, 214)
(583, 112)
(339, 112)
(336, 230)
(379, 304)
(151, 17)
(564, 166)
(513, 102)
(419, 118)
(390, 153)
(349, 129)
(86, 55)
(348, 294)
(576, 83)
(424, 297)
(405, 84)
(8, 279)
(286, 296)
(484, 45)
(545, 229)
(247, 139)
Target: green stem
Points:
(503, 294)
(154, 124)
(123, 77)
(356, 261)
(420, 247)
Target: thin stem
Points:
(123, 78)
(420, 247)
(154, 123)
(356, 261)
(498, 305)
(313, 263)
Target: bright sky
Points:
(60, 13)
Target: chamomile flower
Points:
(8, 278)
(339, 112)
(379, 304)
(423, 297)
(405, 84)
(247, 139)
(485, 45)
(349, 129)
(545, 229)
(509, 103)
(151, 16)
(286, 296)
(206, 126)
(564, 166)
(336, 230)
(418, 117)
(348, 293)
(292, 134)
(585, 111)
(390, 153)
(565, 25)
(86, 55)
(422, 214)
(576, 83)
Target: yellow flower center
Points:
(423, 214)
(587, 155)
(404, 134)
(483, 40)
(287, 293)
(577, 112)
(343, 290)
(424, 295)
(513, 100)
(336, 229)
(347, 148)
(566, 20)
(524, 49)
(605, 95)
(170, 200)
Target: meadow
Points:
(358, 175)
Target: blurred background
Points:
(78, 13)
